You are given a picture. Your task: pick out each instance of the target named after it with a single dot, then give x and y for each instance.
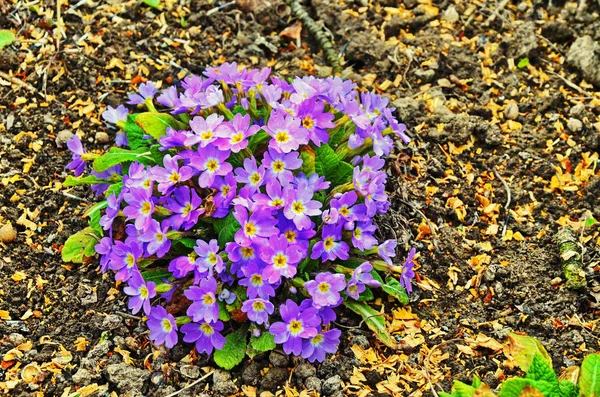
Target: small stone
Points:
(132, 343)
(451, 15)
(225, 389)
(274, 378)
(574, 125)
(279, 359)
(16, 339)
(251, 375)
(127, 378)
(511, 111)
(100, 350)
(522, 6)
(102, 137)
(62, 138)
(426, 76)
(7, 233)
(331, 385)
(584, 55)
(157, 378)
(361, 341)
(112, 321)
(577, 110)
(82, 377)
(220, 376)
(490, 274)
(313, 383)
(305, 370)
(190, 371)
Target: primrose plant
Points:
(240, 214)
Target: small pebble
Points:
(511, 111)
(102, 137)
(451, 15)
(7, 233)
(62, 138)
(574, 125)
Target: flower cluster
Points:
(247, 194)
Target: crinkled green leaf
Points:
(329, 165)
(85, 180)
(366, 295)
(223, 312)
(226, 228)
(135, 133)
(512, 387)
(156, 275)
(114, 189)
(6, 38)
(374, 320)
(96, 208)
(589, 378)
(393, 288)
(540, 369)
(79, 245)
(233, 351)
(265, 342)
(460, 389)
(94, 222)
(524, 348)
(589, 222)
(118, 155)
(307, 155)
(155, 124)
(568, 389)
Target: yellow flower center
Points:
(212, 258)
(206, 135)
(357, 233)
(328, 243)
(237, 138)
(280, 260)
(143, 291)
(295, 327)
(207, 329)
(298, 207)
(187, 209)
(255, 178)
(258, 306)
(208, 299)
(324, 287)
(147, 183)
(308, 122)
(290, 235)
(276, 203)
(166, 325)
(250, 229)
(344, 211)
(278, 166)
(248, 252)
(130, 260)
(212, 165)
(317, 339)
(175, 177)
(352, 288)
(282, 137)
(225, 190)
(256, 279)
(159, 237)
(146, 208)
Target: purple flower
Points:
(325, 289)
(286, 132)
(205, 305)
(205, 130)
(185, 207)
(408, 272)
(326, 313)
(138, 177)
(315, 348)
(279, 165)
(233, 135)
(169, 98)
(169, 175)
(162, 326)
(387, 250)
(252, 175)
(362, 235)
(226, 191)
(281, 258)
(115, 116)
(123, 259)
(316, 121)
(206, 335)
(293, 235)
(104, 248)
(274, 197)
(259, 224)
(77, 163)
(113, 173)
(173, 139)
(112, 210)
(256, 285)
(295, 326)
(299, 206)
(140, 208)
(399, 129)
(141, 292)
(183, 265)
(211, 162)
(346, 208)
(314, 182)
(145, 92)
(332, 246)
(227, 296)
(258, 310)
(156, 238)
(208, 256)
(361, 276)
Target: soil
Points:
(505, 140)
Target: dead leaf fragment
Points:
(292, 32)
(7, 233)
(31, 373)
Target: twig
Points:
(317, 32)
(433, 239)
(495, 14)
(428, 358)
(130, 316)
(194, 383)
(508, 199)
(18, 82)
(571, 84)
(69, 195)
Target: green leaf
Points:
(589, 378)
(589, 222)
(512, 387)
(94, 222)
(155, 124)
(86, 180)
(333, 169)
(366, 296)
(264, 343)
(460, 389)
(233, 351)
(114, 189)
(307, 265)
(6, 38)
(95, 208)
(135, 133)
(568, 389)
(524, 348)
(257, 139)
(374, 320)
(541, 370)
(79, 245)
(523, 63)
(307, 155)
(117, 155)
(156, 275)
(153, 3)
(223, 312)
(392, 287)
(226, 229)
